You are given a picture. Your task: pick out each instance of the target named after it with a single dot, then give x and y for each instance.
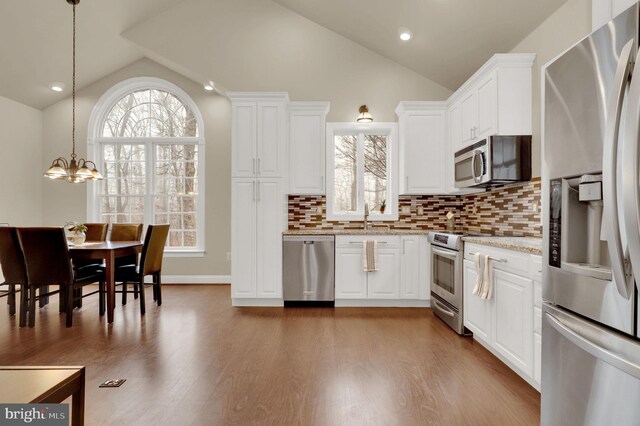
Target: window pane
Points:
(175, 188)
(345, 197)
(150, 113)
(375, 171)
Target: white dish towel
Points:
(484, 269)
(370, 256)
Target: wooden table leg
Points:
(77, 403)
(110, 285)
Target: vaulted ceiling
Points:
(452, 38)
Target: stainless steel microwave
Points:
(496, 160)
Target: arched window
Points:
(147, 135)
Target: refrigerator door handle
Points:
(630, 176)
(609, 172)
(602, 349)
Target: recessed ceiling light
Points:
(405, 34)
(209, 86)
(56, 86)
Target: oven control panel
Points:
(442, 239)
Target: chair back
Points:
(14, 269)
(126, 232)
(153, 249)
(47, 256)
(97, 232)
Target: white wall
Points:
(569, 24)
(21, 168)
(257, 45)
(64, 202)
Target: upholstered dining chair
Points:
(14, 270)
(48, 263)
(96, 232)
(126, 232)
(150, 264)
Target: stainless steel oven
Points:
(446, 278)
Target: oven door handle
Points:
(443, 308)
(445, 253)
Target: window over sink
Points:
(362, 170)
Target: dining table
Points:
(109, 251)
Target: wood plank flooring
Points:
(198, 361)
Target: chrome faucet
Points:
(366, 216)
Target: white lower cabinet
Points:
(477, 312)
(351, 280)
(400, 276)
(507, 323)
(513, 319)
(258, 206)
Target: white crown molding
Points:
(258, 96)
(502, 60)
(417, 106)
(310, 106)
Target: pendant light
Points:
(73, 170)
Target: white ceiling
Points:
(36, 44)
(452, 38)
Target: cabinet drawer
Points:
(503, 260)
(384, 241)
(537, 320)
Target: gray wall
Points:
(21, 167)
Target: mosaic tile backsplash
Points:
(506, 211)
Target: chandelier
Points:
(73, 170)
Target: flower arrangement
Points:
(76, 227)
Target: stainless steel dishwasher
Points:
(309, 269)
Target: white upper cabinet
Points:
(495, 100)
(423, 147)
(602, 11)
(307, 147)
(469, 112)
(258, 134)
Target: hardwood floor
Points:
(197, 360)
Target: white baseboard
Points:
(257, 302)
(383, 303)
(195, 279)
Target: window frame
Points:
(388, 129)
(95, 140)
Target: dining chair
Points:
(48, 263)
(126, 232)
(150, 264)
(14, 270)
(96, 233)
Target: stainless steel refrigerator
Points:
(591, 228)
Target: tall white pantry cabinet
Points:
(258, 196)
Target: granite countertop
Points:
(355, 232)
(525, 244)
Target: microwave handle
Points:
(476, 178)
